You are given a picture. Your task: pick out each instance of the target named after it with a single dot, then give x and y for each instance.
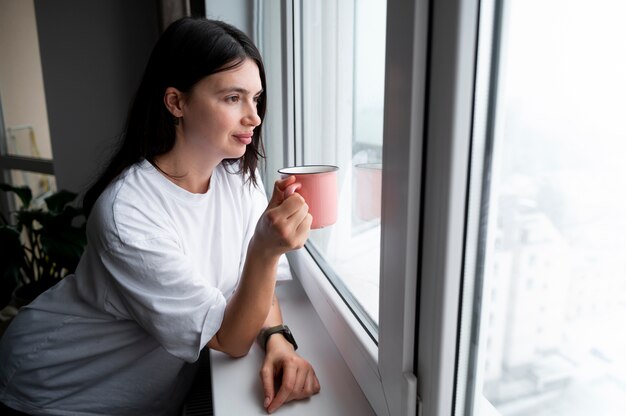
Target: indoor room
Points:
(312, 207)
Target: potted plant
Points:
(40, 245)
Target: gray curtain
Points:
(170, 10)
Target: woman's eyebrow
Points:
(240, 90)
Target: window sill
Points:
(356, 347)
(237, 388)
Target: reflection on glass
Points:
(551, 338)
(343, 58)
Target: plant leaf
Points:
(23, 192)
(27, 218)
(59, 200)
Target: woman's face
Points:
(220, 112)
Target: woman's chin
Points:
(238, 154)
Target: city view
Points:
(554, 295)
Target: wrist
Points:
(258, 250)
(277, 336)
(277, 342)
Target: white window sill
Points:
(237, 388)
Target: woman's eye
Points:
(232, 99)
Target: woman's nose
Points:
(252, 117)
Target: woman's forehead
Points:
(242, 77)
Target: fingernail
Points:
(266, 402)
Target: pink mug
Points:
(368, 190)
(318, 187)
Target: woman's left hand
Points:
(296, 375)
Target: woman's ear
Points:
(173, 100)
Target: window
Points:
(341, 103)
(503, 164)
(337, 70)
(549, 143)
(25, 151)
(332, 67)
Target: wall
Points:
(93, 54)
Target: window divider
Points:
(450, 97)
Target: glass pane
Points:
(22, 99)
(550, 297)
(343, 62)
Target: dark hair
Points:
(188, 50)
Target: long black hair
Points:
(188, 50)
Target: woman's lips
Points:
(244, 138)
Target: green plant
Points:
(39, 246)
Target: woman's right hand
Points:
(285, 224)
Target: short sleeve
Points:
(259, 203)
(153, 282)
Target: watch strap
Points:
(282, 329)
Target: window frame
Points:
(467, 397)
(451, 82)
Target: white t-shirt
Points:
(118, 337)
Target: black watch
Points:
(282, 329)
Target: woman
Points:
(183, 249)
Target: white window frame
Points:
(451, 81)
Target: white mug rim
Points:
(308, 169)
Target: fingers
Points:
(279, 189)
(284, 226)
(312, 385)
(300, 223)
(267, 378)
(306, 384)
(290, 189)
(288, 216)
(291, 205)
(288, 223)
(298, 382)
(305, 225)
(300, 209)
(284, 202)
(286, 388)
(298, 387)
